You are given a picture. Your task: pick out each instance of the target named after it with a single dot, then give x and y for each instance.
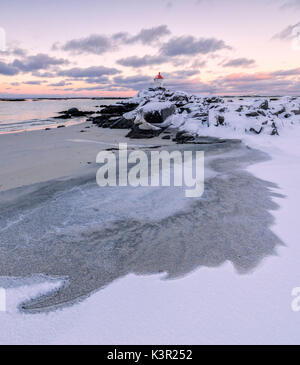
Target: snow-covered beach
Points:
(154, 267)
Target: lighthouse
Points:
(159, 80)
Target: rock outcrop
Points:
(153, 110)
(73, 113)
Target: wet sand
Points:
(39, 156)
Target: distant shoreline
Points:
(67, 98)
(124, 98)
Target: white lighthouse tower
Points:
(159, 80)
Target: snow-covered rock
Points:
(155, 109)
(158, 112)
(204, 115)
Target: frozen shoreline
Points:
(210, 304)
(144, 299)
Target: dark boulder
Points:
(73, 112)
(114, 109)
(255, 131)
(261, 112)
(168, 93)
(220, 120)
(64, 116)
(296, 112)
(104, 121)
(274, 130)
(98, 120)
(252, 114)
(180, 105)
(119, 108)
(137, 133)
(282, 110)
(213, 100)
(122, 123)
(185, 109)
(82, 113)
(159, 115)
(183, 137)
(179, 98)
(264, 105)
(130, 106)
(199, 115)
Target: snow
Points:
(241, 123)
(19, 294)
(156, 106)
(140, 120)
(130, 115)
(205, 116)
(210, 305)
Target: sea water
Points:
(35, 114)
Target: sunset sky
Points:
(115, 47)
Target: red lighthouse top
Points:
(159, 76)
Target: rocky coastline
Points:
(188, 118)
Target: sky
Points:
(116, 47)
